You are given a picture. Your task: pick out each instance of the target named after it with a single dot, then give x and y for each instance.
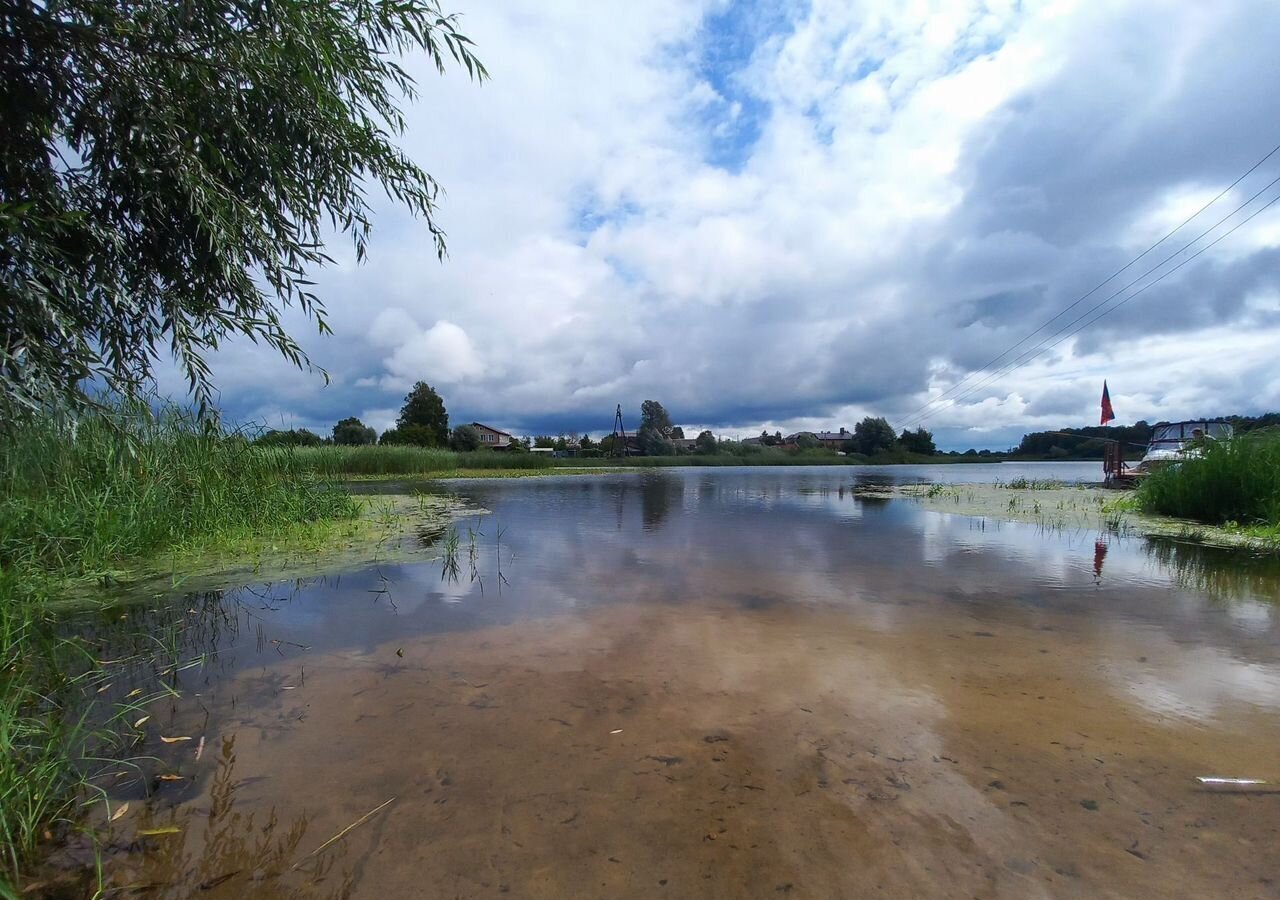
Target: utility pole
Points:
(619, 447)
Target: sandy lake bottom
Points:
(723, 684)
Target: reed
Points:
(1235, 481)
(79, 499)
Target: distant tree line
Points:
(424, 422)
(1082, 443)
(1088, 443)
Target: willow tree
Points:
(169, 170)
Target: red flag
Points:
(1107, 412)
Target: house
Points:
(829, 440)
(492, 438)
(833, 440)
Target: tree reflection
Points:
(657, 495)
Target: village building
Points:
(492, 438)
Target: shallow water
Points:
(724, 683)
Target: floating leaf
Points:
(133, 693)
(141, 722)
(167, 829)
(120, 811)
(200, 748)
(174, 740)
(289, 687)
(170, 778)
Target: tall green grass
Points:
(82, 498)
(339, 462)
(1233, 481)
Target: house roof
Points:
(821, 435)
(490, 428)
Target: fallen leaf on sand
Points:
(167, 829)
(133, 693)
(120, 811)
(200, 748)
(141, 722)
(174, 740)
(170, 778)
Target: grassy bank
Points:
(1233, 483)
(767, 457)
(79, 501)
(382, 461)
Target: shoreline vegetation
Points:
(398, 461)
(104, 511)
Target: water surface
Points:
(727, 683)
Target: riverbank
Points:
(1057, 506)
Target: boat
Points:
(1182, 440)
(1171, 443)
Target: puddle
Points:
(722, 684)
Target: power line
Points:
(1005, 368)
(911, 416)
(1031, 355)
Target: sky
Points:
(790, 216)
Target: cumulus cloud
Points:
(770, 215)
(442, 354)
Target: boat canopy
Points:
(1175, 434)
(1181, 440)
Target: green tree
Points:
(586, 442)
(544, 442)
(654, 436)
(807, 440)
(424, 408)
(653, 415)
(170, 172)
(918, 441)
(464, 438)
(352, 432)
(873, 435)
(299, 437)
(705, 443)
(411, 435)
